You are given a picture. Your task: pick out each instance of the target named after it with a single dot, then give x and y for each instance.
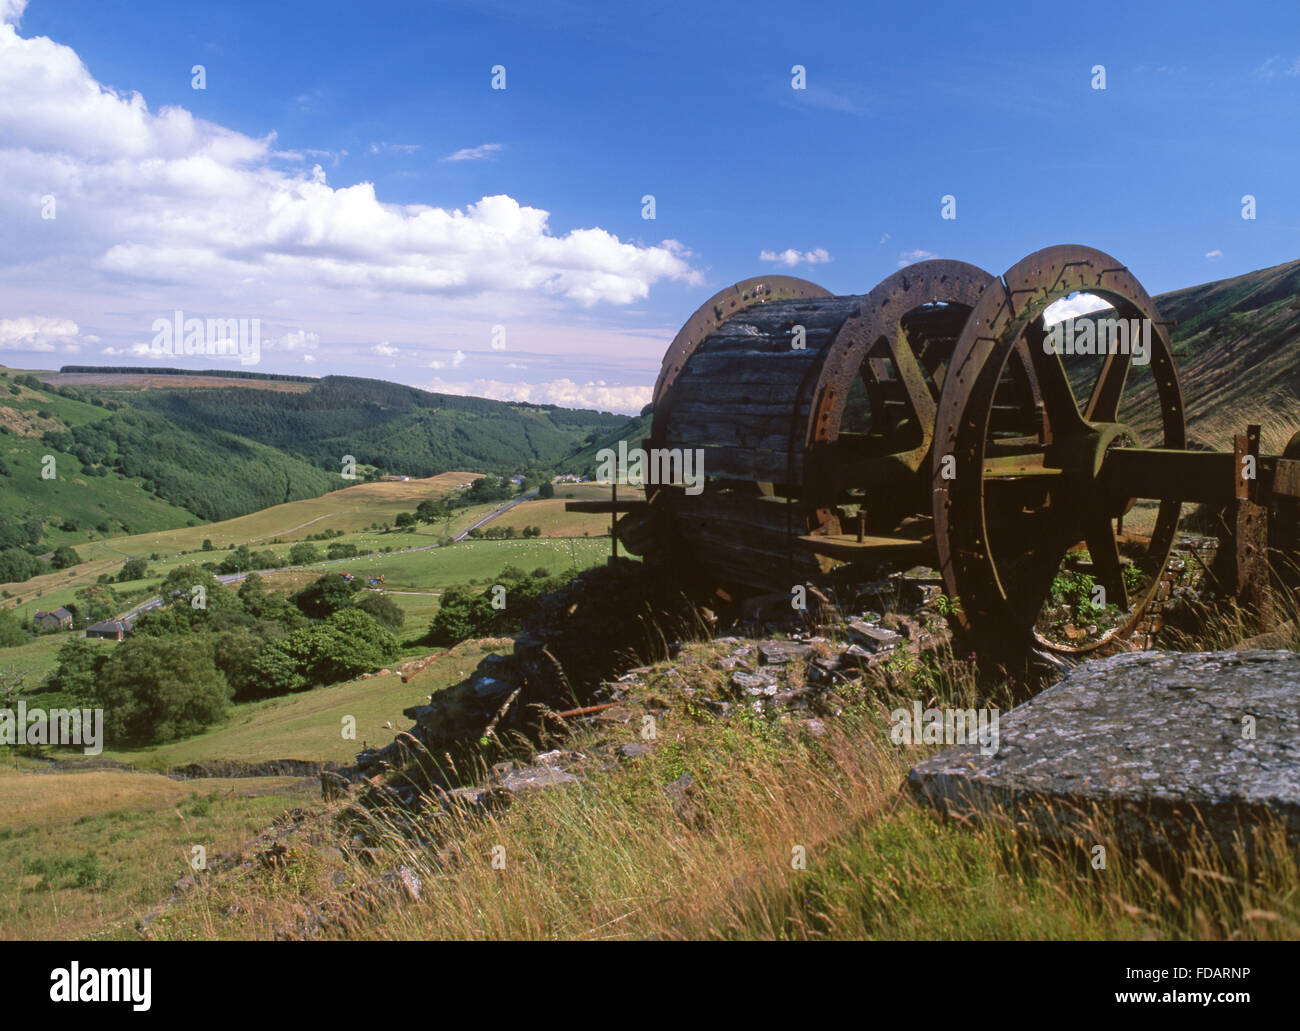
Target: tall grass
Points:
(703, 838)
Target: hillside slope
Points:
(1237, 342)
(395, 428)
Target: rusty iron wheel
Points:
(1014, 491)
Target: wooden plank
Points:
(847, 548)
(1286, 478)
(764, 466)
(606, 506)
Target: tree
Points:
(79, 662)
(64, 557)
(404, 520)
(430, 510)
(326, 596)
(278, 668)
(349, 644)
(12, 631)
(133, 569)
(98, 602)
(454, 621)
(235, 654)
(16, 566)
(154, 690)
(383, 610)
(304, 554)
(345, 645)
(238, 561)
(546, 490)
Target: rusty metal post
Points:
(613, 521)
(1249, 574)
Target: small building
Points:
(115, 629)
(57, 619)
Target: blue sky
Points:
(251, 197)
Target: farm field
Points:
(91, 847)
(414, 580)
(81, 853)
(549, 513)
(133, 382)
(308, 725)
(349, 510)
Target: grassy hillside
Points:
(583, 462)
(395, 428)
(1236, 343)
(72, 506)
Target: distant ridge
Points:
(158, 370)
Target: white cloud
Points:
(458, 359)
(1276, 67)
(11, 11)
(1214, 255)
(397, 148)
(479, 153)
(563, 392)
(1072, 307)
(166, 198)
(384, 350)
(38, 333)
(906, 258)
(296, 340)
(790, 257)
(309, 358)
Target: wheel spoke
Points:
(1104, 549)
(1103, 402)
(1053, 384)
(1043, 562)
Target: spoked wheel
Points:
(1029, 499)
(879, 388)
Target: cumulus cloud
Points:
(906, 258)
(164, 197)
(563, 392)
(38, 333)
(1072, 307)
(384, 350)
(479, 153)
(791, 257)
(456, 361)
(296, 340)
(1214, 255)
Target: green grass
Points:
(35, 660)
(82, 853)
(183, 547)
(469, 561)
(309, 725)
(620, 854)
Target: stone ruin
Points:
(1155, 743)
